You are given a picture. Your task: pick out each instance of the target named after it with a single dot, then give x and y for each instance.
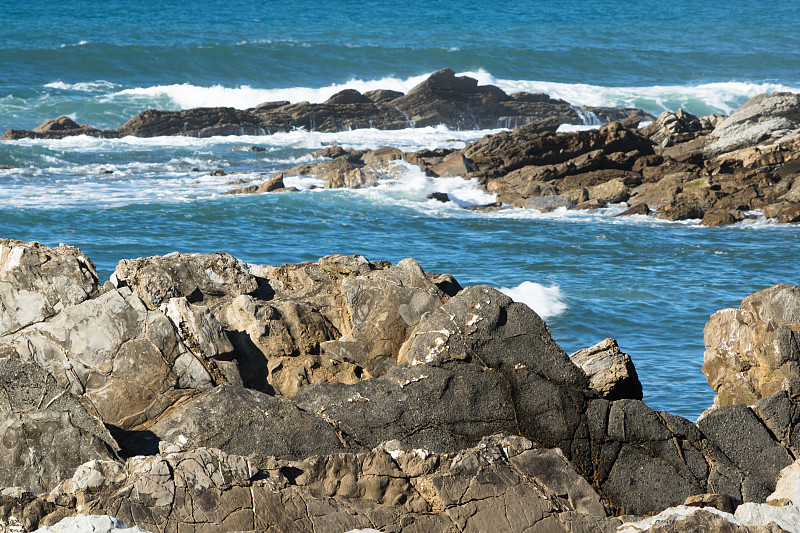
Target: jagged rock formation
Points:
(753, 352)
(684, 167)
(342, 393)
(444, 98)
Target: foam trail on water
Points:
(186, 96)
(546, 301)
(720, 97)
(701, 99)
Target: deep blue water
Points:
(651, 285)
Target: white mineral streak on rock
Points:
(94, 523)
(747, 514)
(405, 382)
(474, 320)
(357, 398)
(672, 514)
(438, 346)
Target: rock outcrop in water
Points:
(197, 392)
(444, 98)
(713, 169)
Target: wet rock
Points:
(752, 352)
(721, 217)
(681, 209)
(273, 184)
(439, 197)
(444, 98)
(383, 154)
(611, 373)
(789, 214)
(546, 204)
(635, 209)
(610, 192)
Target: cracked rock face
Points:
(503, 482)
(45, 432)
(36, 282)
(753, 352)
(349, 394)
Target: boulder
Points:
(198, 277)
(384, 305)
(789, 214)
(546, 204)
(273, 184)
(124, 362)
(611, 372)
(635, 209)
(682, 209)
(37, 282)
(721, 217)
(762, 117)
(610, 192)
(752, 352)
(676, 127)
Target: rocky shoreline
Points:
(196, 392)
(680, 167)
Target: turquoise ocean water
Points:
(651, 285)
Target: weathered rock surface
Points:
(36, 282)
(45, 432)
(760, 118)
(351, 394)
(611, 372)
(502, 482)
(754, 351)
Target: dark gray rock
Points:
(744, 440)
(46, 432)
(242, 422)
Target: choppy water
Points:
(650, 284)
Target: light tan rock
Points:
(752, 352)
(611, 372)
(37, 281)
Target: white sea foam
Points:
(408, 186)
(368, 138)
(724, 97)
(97, 86)
(186, 96)
(546, 301)
(720, 97)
